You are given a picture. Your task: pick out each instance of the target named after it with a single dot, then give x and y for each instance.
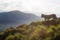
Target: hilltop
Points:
(39, 30)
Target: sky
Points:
(32, 6)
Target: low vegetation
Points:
(41, 30)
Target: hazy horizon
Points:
(36, 7)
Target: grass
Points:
(39, 30)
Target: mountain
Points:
(14, 18)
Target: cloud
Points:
(31, 5)
(8, 5)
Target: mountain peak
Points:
(15, 11)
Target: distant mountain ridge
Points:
(16, 18)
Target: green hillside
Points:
(39, 30)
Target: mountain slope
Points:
(16, 18)
(34, 31)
